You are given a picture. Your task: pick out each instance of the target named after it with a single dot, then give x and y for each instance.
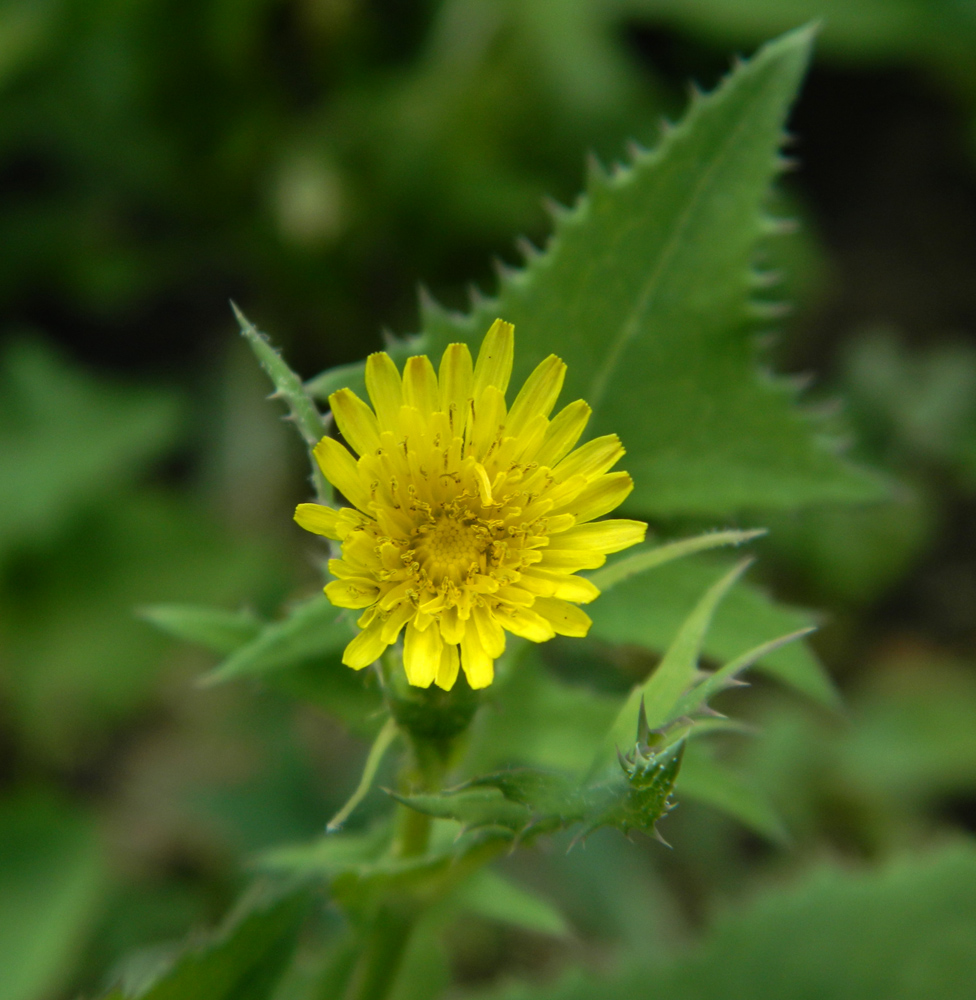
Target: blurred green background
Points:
(316, 161)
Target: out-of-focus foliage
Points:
(52, 876)
(904, 932)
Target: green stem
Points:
(388, 935)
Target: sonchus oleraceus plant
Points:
(466, 525)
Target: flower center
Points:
(449, 548)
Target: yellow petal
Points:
(399, 617)
(340, 468)
(571, 560)
(356, 421)
(457, 385)
(451, 625)
(487, 418)
(494, 364)
(515, 595)
(592, 459)
(358, 592)
(366, 648)
(538, 396)
(420, 385)
(478, 665)
(563, 433)
(600, 536)
(448, 670)
(566, 619)
(385, 389)
(491, 634)
(318, 519)
(526, 623)
(564, 586)
(601, 496)
(422, 655)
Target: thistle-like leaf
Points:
(645, 290)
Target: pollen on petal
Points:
(355, 593)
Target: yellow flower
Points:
(470, 519)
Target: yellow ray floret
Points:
(470, 519)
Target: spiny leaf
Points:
(526, 802)
(289, 387)
(647, 609)
(699, 696)
(645, 292)
(675, 673)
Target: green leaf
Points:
(51, 881)
(301, 656)
(76, 662)
(312, 629)
(244, 963)
(301, 408)
(903, 932)
(213, 628)
(906, 931)
(645, 292)
(328, 856)
(67, 439)
(642, 560)
(707, 781)
(658, 695)
(492, 895)
(648, 609)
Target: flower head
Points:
(469, 519)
